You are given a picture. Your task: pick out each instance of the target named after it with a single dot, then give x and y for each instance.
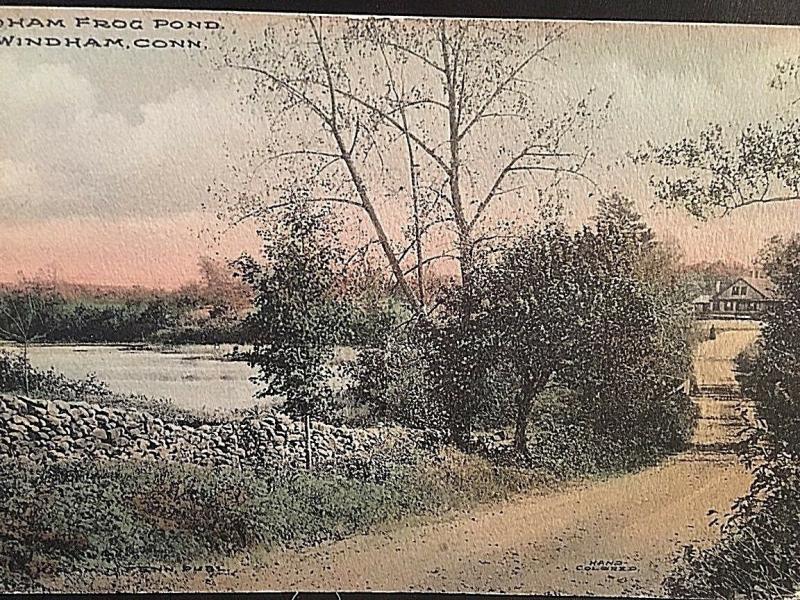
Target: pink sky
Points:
(156, 252)
(106, 158)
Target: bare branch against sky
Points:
(116, 150)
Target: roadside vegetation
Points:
(758, 554)
(572, 365)
(540, 352)
(112, 518)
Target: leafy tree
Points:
(636, 344)
(380, 117)
(458, 346)
(774, 374)
(533, 304)
(297, 318)
(599, 312)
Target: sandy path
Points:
(544, 543)
(536, 543)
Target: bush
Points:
(759, 554)
(45, 384)
(390, 384)
(110, 516)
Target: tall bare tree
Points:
(430, 123)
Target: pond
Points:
(194, 376)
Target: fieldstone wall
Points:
(44, 430)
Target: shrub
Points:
(390, 383)
(759, 554)
(77, 518)
(45, 384)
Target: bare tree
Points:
(24, 319)
(430, 123)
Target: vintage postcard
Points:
(302, 302)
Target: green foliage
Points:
(45, 384)
(759, 554)
(297, 319)
(67, 517)
(457, 354)
(596, 312)
(391, 384)
(29, 312)
(719, 170)
(600, 313)
(51, 385)
(535, 315)
(38, 313)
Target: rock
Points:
(99, 434)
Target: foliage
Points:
(534, 300)
(44, 384)
(53, 318)
(297, 318)
(458, 355)
(722, 170)
(27, 312)
(69, 517)
(390, 383)
(599, 314)
(758, 554)
(51, 385)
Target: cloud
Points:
(92, 161)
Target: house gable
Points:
(741, 289)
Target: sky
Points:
(108, 156)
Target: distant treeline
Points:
(212, 311)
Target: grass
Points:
(75, 519)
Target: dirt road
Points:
(547, 543)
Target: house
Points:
(744, 298)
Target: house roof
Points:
(765, 286)
(702, 299)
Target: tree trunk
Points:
(380, 232)
(524, 403)
(25, 367)
(525, 400)
(308, 443)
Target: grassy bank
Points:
(75, 520)
(68, 522)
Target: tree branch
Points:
(501, 87)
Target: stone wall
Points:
(43, 430)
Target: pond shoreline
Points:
(196, 377)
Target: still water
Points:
(194, 377)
